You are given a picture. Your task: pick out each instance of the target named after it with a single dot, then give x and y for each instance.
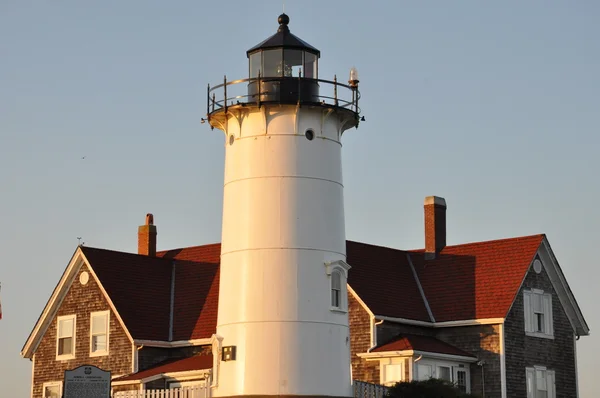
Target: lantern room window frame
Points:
(265, 63)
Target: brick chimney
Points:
(435, 225)
(147, 237)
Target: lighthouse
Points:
(282, 327)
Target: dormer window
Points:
(538, 313)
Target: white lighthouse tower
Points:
(282, 325)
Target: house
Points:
(495, 317)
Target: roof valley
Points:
(420, 287)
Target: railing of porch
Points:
(184, 392)
(363, 389)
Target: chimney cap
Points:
(149, 219)
(435, 200)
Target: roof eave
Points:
(410, 353)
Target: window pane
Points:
(65, 328)
(423, 372)
(65, 346)
(461, 380)
(444, 373)
(537, 303)
(99, 343)
(99, 324)
(393, 373)
(52, 392)
(336, 280)
(540, 380)
(539, 323)
(335, 298)
(293, 62)
(272, 63)
(310, 65)
(255, 60)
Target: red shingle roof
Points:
(196, 291)
(471, 281)
(382, 278)
(139, 287)
(200, 362)
(421, 343)
(476, 280)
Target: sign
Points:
(87, 381)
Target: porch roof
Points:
(199, 362)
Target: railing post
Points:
(335, 89)
(225, 93)
(299, 87)
(259, 89)
(207, 99)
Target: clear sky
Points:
(492, 105)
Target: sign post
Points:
(87, 381)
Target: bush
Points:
(432, 388)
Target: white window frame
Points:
(100, 353)
(531, 313)
(52, 384)
(74, 336)
(383, 366)
(340, 268)
(531, 374)
(435, 365)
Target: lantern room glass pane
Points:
(272, 63)
(310, 65)
(292, 62)
(255, 61)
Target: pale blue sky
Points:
(492, 105)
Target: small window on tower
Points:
(337, 273)
(336, 289)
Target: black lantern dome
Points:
(283, 55)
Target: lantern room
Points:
(283, 55)
(283, 70)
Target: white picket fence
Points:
(363, 389)
(184, 392)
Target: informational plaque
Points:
(87, 381)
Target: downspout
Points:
(374, 333)
(172, 304)
(481, 364)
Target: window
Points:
(460, 378)
(392, 374)
(538, 313)
(443, 372)
(424, 372)
(52, 390)
(336, 289)
(455, 372)
(540, 383)
(65, 337)
(99, 327)
(337, 272)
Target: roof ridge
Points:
(486, 242)
(84, 248)
(188, 247)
